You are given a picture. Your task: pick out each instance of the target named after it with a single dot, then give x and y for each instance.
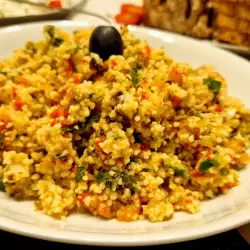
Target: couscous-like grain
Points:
(138, 136)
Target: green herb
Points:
(31, 46)
(69, 128)
(61, 157)
(103, 177)
(57, 42)
(213, 85)
(178, 171)
(3, 73)
(93, 119)
(206, 164)
(80, 173)
(137, 137)
(135, 76)
(50, 30)
(97, 67)
(117, 137)
(2, 186)
(147, 170)
(214, 151)
(224, 171)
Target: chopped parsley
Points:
(30, 46)
(60, 156)
(147, 170)
(2, 186)
(57, 42)
(50, 30)
(224, 171)
(135, 75)
(206, 164)
(177, 171)
(69, 128)
(3, 73)
(80, 173)
(213, 85)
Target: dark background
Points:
(231, 240)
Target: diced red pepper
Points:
(176, 101)
(76, 79)
(219, 109)
(3, 126)
(80, 198)
(114, 63)
(127, 18)
(55, 4)
(140, 205)
(85, 61)
(14, 92)
(18, 104)
(133, 9)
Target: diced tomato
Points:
(74, 170)
(80, 198)
(133, 9)
(57, 113)
(98, 141)
(144, 147)
(55, 4)
(219, 109)
(14, 92)
(54, 122)
(114, 63)
(69, 69)
(18, 104)
(76, 79)
(176, 75)
(176, 101)
(144, 95)
(127, 19)
(196, 174)
(148, 50)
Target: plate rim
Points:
(148, 238)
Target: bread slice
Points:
(187, 17)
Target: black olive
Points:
(106, 41)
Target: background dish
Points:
(221, 214)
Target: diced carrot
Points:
(76, 79)
(23, 80)
(148, 51)
(176, 101)
(55, 4)
(18, 104)
(127, 19)
(114, 63)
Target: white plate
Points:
(218, 215)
